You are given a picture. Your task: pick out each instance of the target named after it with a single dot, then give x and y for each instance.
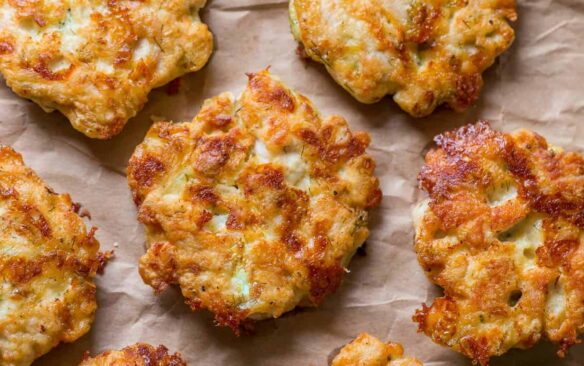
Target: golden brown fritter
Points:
(367, 350)
(502, 233)
(424, 52)
(255, 206)
(47, 264)
(96, 61)
(139, 354)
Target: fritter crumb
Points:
(139, 354)
(366, 350)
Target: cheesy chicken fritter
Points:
(424, 52)
(502, 232)
(139, 354)
(367, 350)
(47, 263)
(96, 60)
(255, 206)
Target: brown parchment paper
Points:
(537, 84)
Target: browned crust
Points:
(212, 168)
(501, 290)
(97, 61)
(48, 263)
(426, 54)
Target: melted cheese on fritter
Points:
(139, 354)
(503, 234)
(424, 52)
(366, 350)
(47, 264)
(255, 206)
(96, 61)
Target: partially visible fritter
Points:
(367, 350)
(95, 60)
(424, 52)
(255, 206)
(47, 264)
(139, 354)
(503, 234)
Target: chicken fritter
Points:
(424, 52)
(502, 233)
(366, 350)
(255, 206)
(139, 354)
(95, 60)
(47, 263)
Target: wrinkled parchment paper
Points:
(537, 84)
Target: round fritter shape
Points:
(139, 354)
(47, 264)
(424, 52)
(502, 233)
(255, 206)
(366, 350)
(96, 61)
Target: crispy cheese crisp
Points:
(47, 263)
(139, 354)
(366, 350)
(424, 52)
(255, 206)
(502, 233)
(96, 61)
